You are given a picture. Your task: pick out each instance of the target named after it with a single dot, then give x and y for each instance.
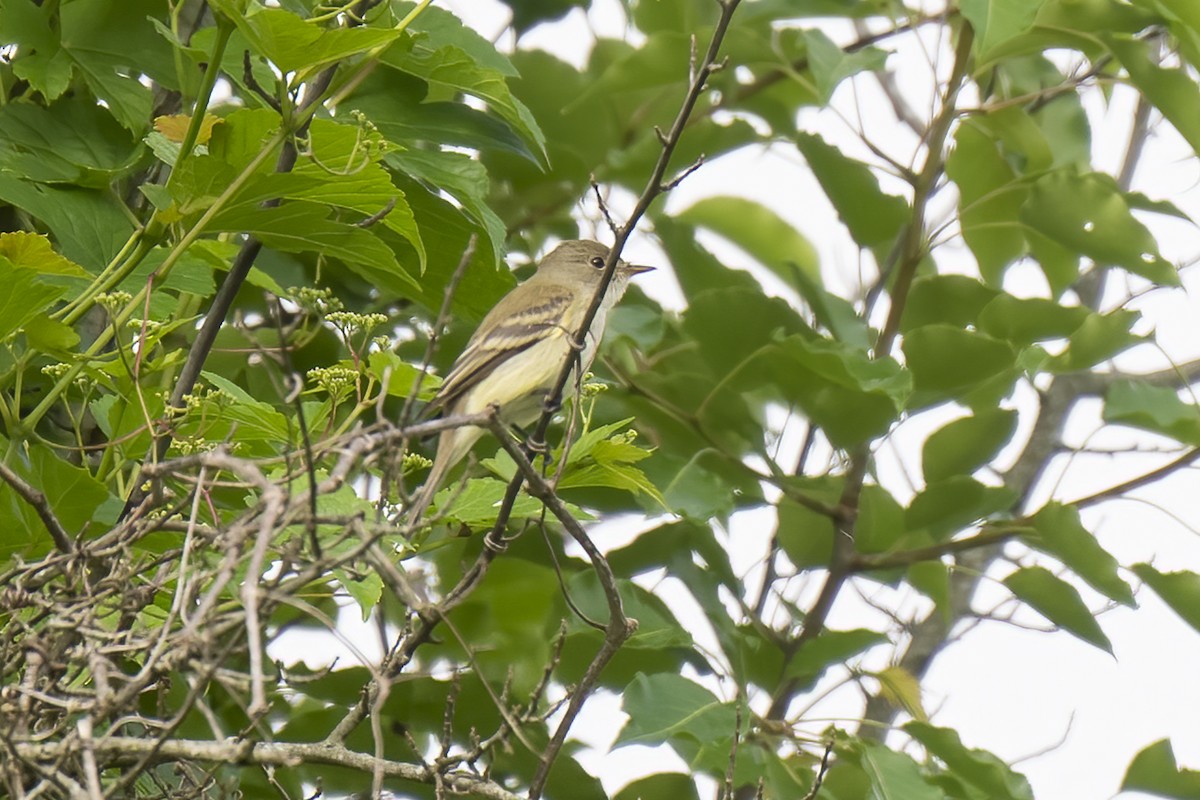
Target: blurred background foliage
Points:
(143, 146)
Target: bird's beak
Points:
(637, 269)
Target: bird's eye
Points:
(598, 262)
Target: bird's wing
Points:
(504, 332)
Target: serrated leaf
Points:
(1154, 408)
(451, 66)
(25, 297)
(662, 707)
(894, 776)
(979, 768)
(1172, 91)
(301, 226)
(1059, 602)
(1061, 533)
(1179, 590)
(1156, 771)
(32, 251)
(830, 64)
(1087, 214)
(873, 217)
(74, 497)
(292, 43)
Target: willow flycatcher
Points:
(514, 357)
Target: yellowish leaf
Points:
(900, 688)
(175, 126)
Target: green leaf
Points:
(461, 177)
(301, 226)
(1179, 590)
(951, 299)
(32, 251)
(1061, 533)
(255, 419)
(41, 59)
(806, 536)
(365, 587)
(392, 100)
(441, 27)
(293, 44)
(894, 776)
(452, 67)
(759, 231)
(398, 377)
(989, 203)
(528, 13)
(948, 361)
(476, 503)
(697, 493)
(657, 627)
(979, 768)
(75, 498)
(1152, 408)
(1099, 338)
(830, 648)
(1088, 214)
(697, 269)
(830, 64)
(965, 445)
(1059, 602)
(24, 297)
(368, 195)
(1172, 91)
(69, 142)
(1155, 770)
(87, 225)
(851, 396)
(1025, 320)
(610, 465)
(660, 786)
(954, 503)
(880, 520)
(130, 102)
(872, 217)
(997, 21)
(663, 707)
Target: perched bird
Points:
(514, 357)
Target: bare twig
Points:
(1142, 480)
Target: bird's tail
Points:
(453, 444)
(420, 502)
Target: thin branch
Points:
(907, 558)
(1142, 480)
(41, 506)
(127, 749)
(912, 250)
